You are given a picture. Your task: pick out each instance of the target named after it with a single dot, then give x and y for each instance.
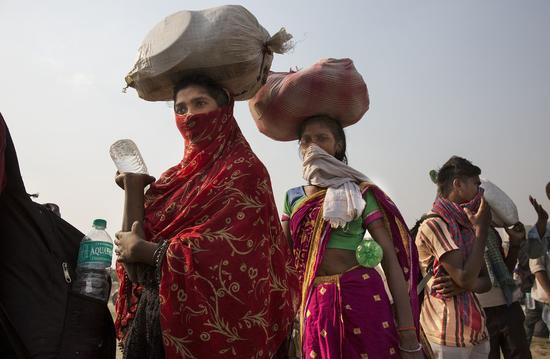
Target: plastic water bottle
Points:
(127, 158)
(94, 259)
(369, 253)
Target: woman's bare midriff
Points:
(335, 261)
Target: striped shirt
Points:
(458, 321)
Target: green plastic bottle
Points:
(369, 253)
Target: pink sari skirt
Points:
(350, 316)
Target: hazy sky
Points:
(470, 78)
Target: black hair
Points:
(455, 167)
(212, 88)
(334, 126)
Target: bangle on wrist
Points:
(158, 255)
(414, 350)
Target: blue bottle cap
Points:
(100, 223)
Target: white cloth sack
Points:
(343, 200)
(503, 210)
(225, 43)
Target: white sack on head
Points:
(225, 43)
(503, 209)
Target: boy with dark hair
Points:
(454, 240)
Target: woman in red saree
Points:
(345, 310)
(218, 280)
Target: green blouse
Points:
(348, 237)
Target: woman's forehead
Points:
(191, 93)
(316, 127)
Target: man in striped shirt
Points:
(453, 239)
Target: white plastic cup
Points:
(127, 158)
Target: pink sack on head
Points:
(331, 87)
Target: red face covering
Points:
(227, 283)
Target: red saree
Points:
(227, 279)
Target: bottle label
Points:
(95, 252)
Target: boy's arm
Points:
(538, 237)
(483, 283)
(538, 267)
(465, 271)
(544, 282)
(517, 237)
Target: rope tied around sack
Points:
(279, 43)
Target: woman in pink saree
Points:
(346, 311)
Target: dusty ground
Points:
(540, 348)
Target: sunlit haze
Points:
(469, 78)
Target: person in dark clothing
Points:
(54, 208)
(501, 303)
(40, 317)
(539, 237)
(534, 326)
